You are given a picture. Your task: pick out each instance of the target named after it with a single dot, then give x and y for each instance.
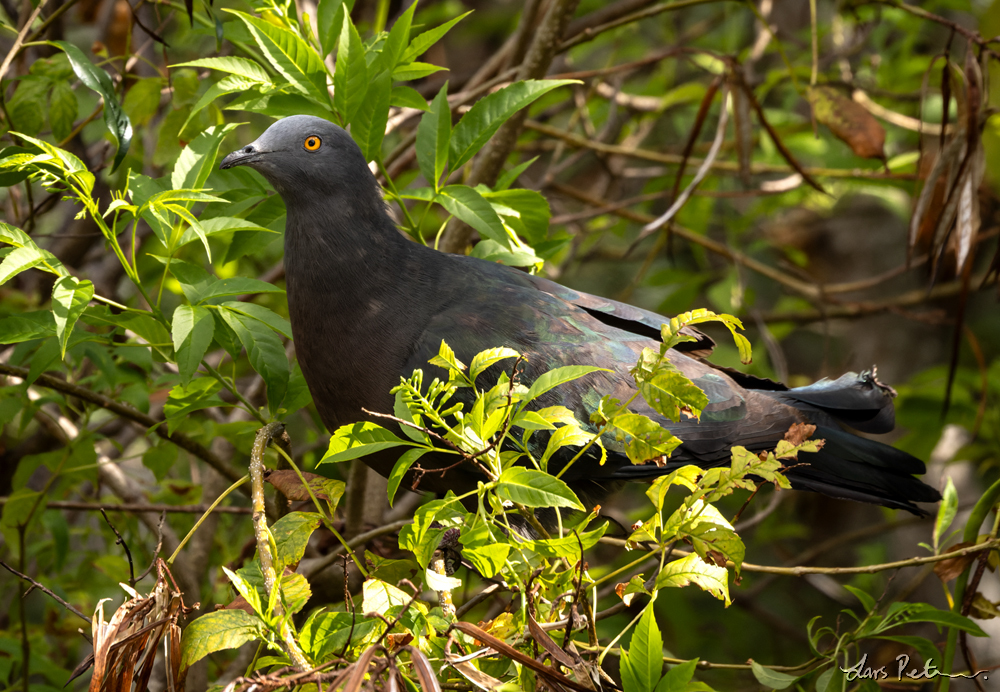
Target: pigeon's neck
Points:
(354, 287)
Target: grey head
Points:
(309, 159)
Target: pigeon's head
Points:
(304, 155)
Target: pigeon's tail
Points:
(847, 466)
(856, 468)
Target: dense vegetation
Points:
(822, 171)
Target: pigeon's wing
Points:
(623, 316)
(503, 307)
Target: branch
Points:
(917, 296)
(728, 166)
(809, 291)
(136, 507)
(547, 37)
(125, 411)
(588, 33)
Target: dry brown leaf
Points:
(848, 121)
(952, 567)
(287, 482)
(799, 433)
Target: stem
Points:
(25, 642)
(815, 43)
(272, 580)
(232, 390)
(204, 516)
(327, 521)
(979, 514)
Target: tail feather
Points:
(856, 468)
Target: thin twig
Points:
(121, 541)
(40, 587)
(136, 507)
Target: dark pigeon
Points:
(367, 305)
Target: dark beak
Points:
(241, 157)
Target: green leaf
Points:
(291, 535)
(485, 359)
(142, 100)
(566, 436)
(29, 257)
(262, 314)
(67, 162)
(396, 43)
(379, 596)
(197, 159)
(867, 602)
(419, 45)
(433, 135)
(217, 631)
(242, 67)
(678, 678)
(223, 224)
(669, 392)
(693, 570)
(407, 97)
(291, 56)
(406, 460)
(350, 79)
(769, 678)
(568, 546)
(825, 681)
(98, 81)
(533, 488)
(644, 663)
(490, 112)
(430, 521)
(266, 354)
(192, 330)
(368, 125)
(557, 376)
(26, 326)
(227, 85)
(481, 548)
(415, 70)
(946, 512)
(70, 297)
(185, 399)
(924, 612)
(236, 286)
(532, 211)
(468, 205)
(329, 18)
(357, 440)
(27, 107)
(509, 177)
(63, 109)
(326, 634)
(649, 440)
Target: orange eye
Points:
(312, 143)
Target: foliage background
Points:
(820, 278)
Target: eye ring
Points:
(312, 143)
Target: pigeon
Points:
(368, 305)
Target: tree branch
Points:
(125, 411)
